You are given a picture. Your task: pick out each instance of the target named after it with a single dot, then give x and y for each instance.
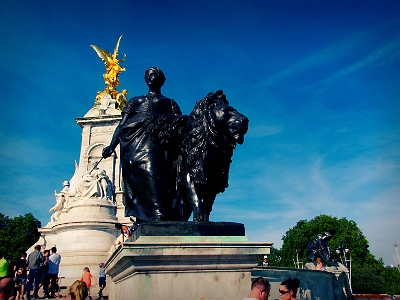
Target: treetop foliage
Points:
(17, 235)
(342, 230)
(368, 274)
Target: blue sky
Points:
(319, 81)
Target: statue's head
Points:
(154, 76)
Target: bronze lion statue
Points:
(213, 130)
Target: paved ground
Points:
(64, 293)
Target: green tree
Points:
(367, 281)
(391, 278)
(368, 274)
(296, 239)
(274, 258)
(17, 235)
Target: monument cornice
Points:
(55, 227)
(99, 120)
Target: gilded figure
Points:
(113, 69)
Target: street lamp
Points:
(342, 250)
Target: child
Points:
(320, 265)
(87, 278)
(102, 279)
(17, 288)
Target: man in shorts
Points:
(102, 279)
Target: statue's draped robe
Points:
(148, 151)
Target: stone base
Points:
(186, 229)
(205, 284)
(83, 236)
(80, 244)
(184, 267)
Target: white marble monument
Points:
(82, 224)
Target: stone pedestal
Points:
(187, 265)
(97, 132)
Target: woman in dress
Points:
(149, 134)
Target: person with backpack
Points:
(21, 273)
(35, 261)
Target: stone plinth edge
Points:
(217, 267)
(172, 228)
(189, 254)
(98, 119)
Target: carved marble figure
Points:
(95, 184)
(60, 200)
(104, 102)
(214, 128)
(106, 188)
(149, 134)
(67, 193)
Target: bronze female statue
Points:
(149, 134)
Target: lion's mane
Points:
(208, 155)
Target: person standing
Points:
(265, 261)
(44, 277)
(87, 278)
(320, 265)
(21, 273)
(54, 268)
(260, 288)
(102, 279)
(35, 261)
(3, 267)
(288, 289)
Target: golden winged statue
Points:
(113, 69)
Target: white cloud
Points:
(385, 54)
(356, 45)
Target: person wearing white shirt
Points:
(54, 268)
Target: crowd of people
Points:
(39, 271)
(32, 272)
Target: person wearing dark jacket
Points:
(35, 261)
